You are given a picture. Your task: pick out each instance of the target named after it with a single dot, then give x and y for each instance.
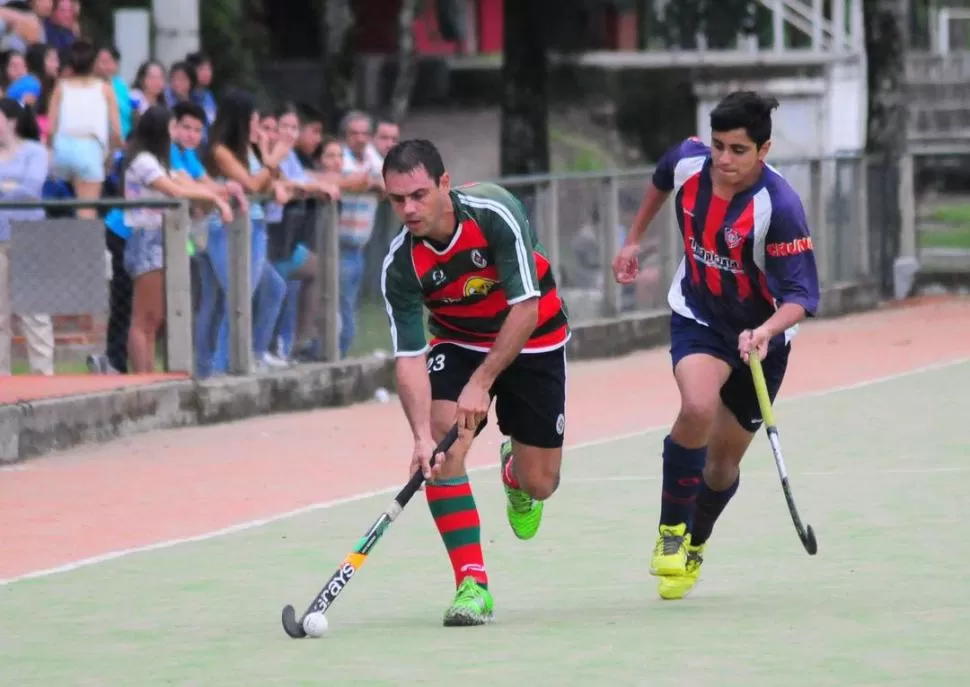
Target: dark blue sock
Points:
(682, 480)
(710, 505)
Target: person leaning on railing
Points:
(231, 156)
(23, 169)
(292, 230)
(147, 175)
(190, 121)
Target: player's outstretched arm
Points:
(626, 264)
(653, 200)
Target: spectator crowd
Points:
(70, 127)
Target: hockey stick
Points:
(805, 532)
(355, 559)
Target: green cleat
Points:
(473, 606)
(524, 512)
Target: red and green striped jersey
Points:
(494, 260)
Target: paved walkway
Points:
(19, 388)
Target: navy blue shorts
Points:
(688, 336)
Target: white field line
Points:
(324, 505)
(766, 473)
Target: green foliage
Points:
(231, 34)
(655, 109)
(577, 154)
(957, 237)
(235, 39)
(720, 21)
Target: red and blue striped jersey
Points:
(743, 257)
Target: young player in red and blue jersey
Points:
(747, 278)
(469, 256)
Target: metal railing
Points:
(86, 239)
(572, 212)
(580, 218)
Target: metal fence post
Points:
(862, 214)
(820, 229)
(906, 264)
(328, 281)
(552, 226)
(908, 247)
(611, 289)
(178, 292)
(240, 296)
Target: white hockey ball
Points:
(315, 624)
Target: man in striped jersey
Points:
(499, 329)
(747, 278)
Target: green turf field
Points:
(879, 471)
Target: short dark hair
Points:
(198, 58)
(309, 114)
(25, 123)
(745, 110)
(81, 57)
(412, 153)
(188, 69)
(185, 108)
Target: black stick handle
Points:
(417, 478)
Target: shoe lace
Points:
(671, 544)
(520, 501)
(468, 593)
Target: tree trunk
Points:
(886, 55)
(525, 134)
(887, 126)
(406, 61)
(336, 26)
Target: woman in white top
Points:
(84, 124)
(146, 176)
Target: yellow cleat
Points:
(674, 587)
(670, 552)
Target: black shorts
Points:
(530, 394)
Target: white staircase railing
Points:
(842, 33)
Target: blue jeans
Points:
(267, 307)
(268, 288)
(289, 318)
(351, 276)
(211, 305)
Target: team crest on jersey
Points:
(733, 237)
(478, 260)
(478, 286)
(438, 276)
